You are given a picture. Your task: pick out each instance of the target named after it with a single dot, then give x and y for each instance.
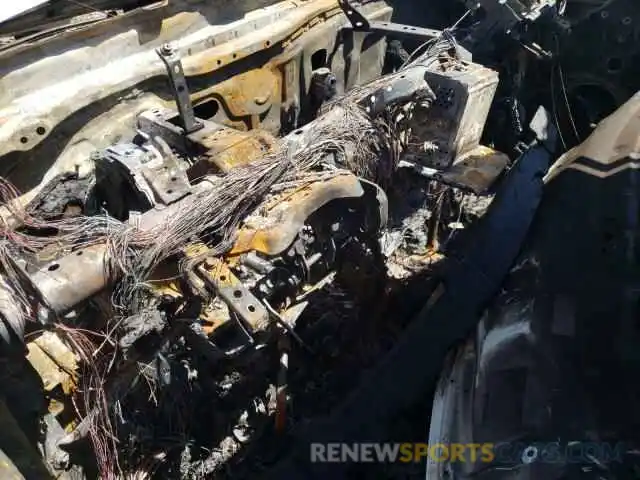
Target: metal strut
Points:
(360, 23)
(171, 59)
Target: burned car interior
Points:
(233, 229)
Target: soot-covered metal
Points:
(231, 230)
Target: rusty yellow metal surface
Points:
(228, 148)
(231, 289)
(482, 165)
(248, 93)
(165, 280)
(302, 19)
(55, 363)
(282, 219)
(219, 273)
(167, 288)
(212, 318)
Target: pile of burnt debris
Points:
(207, 298)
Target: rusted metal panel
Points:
(246, 94)
(477, 170)
(66, 93)
(54, 361)
(208, 50)
(227, 148)
(234, 293)
(272, 232)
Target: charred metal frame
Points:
(171, 59)
(360, 23)
(256, 65)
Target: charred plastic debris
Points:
(210, 286)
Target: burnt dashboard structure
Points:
(199, 194)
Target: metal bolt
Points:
(263, 99)
(60, 459)
(529, 454)
(167, 48)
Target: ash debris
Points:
(425, 217)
